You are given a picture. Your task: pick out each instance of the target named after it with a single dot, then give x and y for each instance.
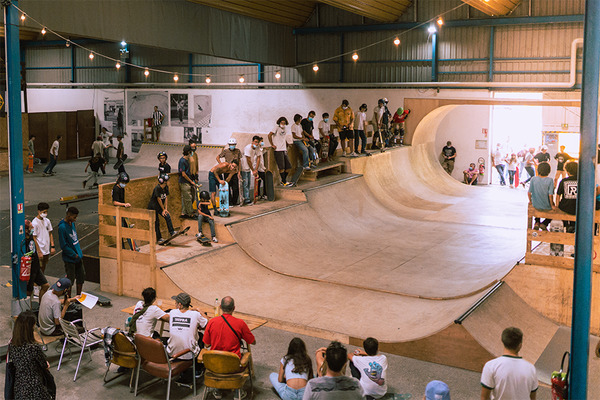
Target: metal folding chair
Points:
(83, 340)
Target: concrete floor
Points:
(405, 376)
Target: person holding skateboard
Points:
(252, 163)
(163, 166)
(186, 184)
(328, 139)
(309, 140)
(278, 140)
(214, 178)
(231, 153)
(297, 133)
(205, 216)
(159, 202)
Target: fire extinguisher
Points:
(25, 267)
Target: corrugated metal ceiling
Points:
(494, 7)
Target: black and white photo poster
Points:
(202, 110)
(179, 109)
(140, 105)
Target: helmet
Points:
(400, 111)
(162, 178)
(162, 153)
(385, 100)
(232, 141)
(204, 195)
(381, 101)
(123, 177)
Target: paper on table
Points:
(88, 300)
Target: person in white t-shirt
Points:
(252, 164)
(53, 156)
(370, 368)
(509, 376)
(42, 234)
(278, 139)
(327, 135)
(145, 322)
(359, 132)
(184, 327)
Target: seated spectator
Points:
(541, 194)
(470, 175)
(566, 194)
(509, 376)
(294, 371)
(226, 332)
(50, 308)
(146, 314)
(370, 368)
(334, 385)
(437, 390)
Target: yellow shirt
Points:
(344, 117)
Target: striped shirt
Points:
(156, 118)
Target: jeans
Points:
(283, 390)
(92, 178)
(234, 189)
(211, 224)
(51, 164)
(157, 224)
(363, 138)
(500, 169)
(530, 172)
(511, 176)
(304, 150)
(246, 179)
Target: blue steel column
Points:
(261, 73)
(584, 234)
(15, 143)
(190, 68)
(434, 57)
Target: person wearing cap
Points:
(370, 368)
(437, 390)
(509, 376)
(344, 120)
(542, 156)
(159, 202)
(449, 154)
(308, 128)
(51, 309)
(36, 275)
(71, 250)
(163, 165)
(186, 184)
(229, 154)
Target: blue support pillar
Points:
(261, 73)
(15, 145)
(341, 58)
(434, 57)
(491, 58)
(73, 65)
(584, 233)
(190, 68)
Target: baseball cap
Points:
(183, 298)
(437, 390)
(61, 284)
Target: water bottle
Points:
(217, 307)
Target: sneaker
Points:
(45, 174)
(52, 173)
(183, 216)
(287, 183)
(199, 372)
(84, 183)
(375, 147)
(160, 241)
(174, 233)
(307, 168)
(242, 393)
(353, 154)
(217, 394)
(198, 235)
(214, 239)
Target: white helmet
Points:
(232, 141)
(385, 100)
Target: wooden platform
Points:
(323, 169)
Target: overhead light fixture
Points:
(146, 72)
(22, 17)
(315, 67)
(432, 29)
(91, 56)
(355, 57)
(242, 79)
(397, 41)
(207, 80)
(277, 75)
(43, 31)
(68, 43)
(175, 78)
(123, 43)
(440, 21)
(118, 66)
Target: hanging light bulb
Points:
(242, 79)
(355, 57)
(123, 43)
(68, 43)
(431, 29)
(277, 75)
(175, 78)
(43, 31)
(397, 41)
(146, 72)
(22, 17)
(207, 80)
(315, 67)
(118, 65)
(91, 56)
(440, 21)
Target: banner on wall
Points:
(202, 110)
(179, 109)
(140, 105)
(113, 115)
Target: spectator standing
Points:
(98, 146)
(42, 235)
(359, 132)
(186, 184)
(511, 165)
(159, 203)
(146, 314)
(53, 157)
(370, 368)
(566, 194)
(299, 142)
(107, 140)
(71, 250)
(252, 164)
(326, 134)
(509, 377)
(36, 275)
(542, 156)
(121, 153)
(31, 147)
(295, 370)
(279, 142)
(33, 379)
(381, 116)
(449, 154)
(541, 194)
(157, 120)
(529, 162)
(163, 165)
(309, 139)
(561, 159)
(334, 385)
(229, 154)
(94, 164)
(498, 162)
(344, 120)
(51, 309)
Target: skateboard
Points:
(324, 150)
(168, 241)
(557, 249)
(132, 242)
(517, 177)
(256, 179)
(103, 301)
(224, 200)
(269, 186)
(204, 241)
(120, 162)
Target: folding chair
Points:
(84, 340)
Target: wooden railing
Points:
(568, 239)
(142, 234)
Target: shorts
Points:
(282, 160)
(75, 271)
(37, 277)
(347, 134)
(212, 182)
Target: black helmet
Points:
(162, 153)
(123, 177)
(162, 178)
(204, 195)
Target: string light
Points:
(68, 43)
(440, 21)
(175, 78)
(91, 56)
(22, 17)
(277, 75)
(242, 79)
(123, 43)
(396, 41)
(315, 67)
(207, 80)
(43, 31)
(431, 29)
(146, 72)
(355, 57)
(118, 65)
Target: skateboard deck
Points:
(517, 177)
(557, 249)
(119, 163)
(168, 241)
(256, 179)
(224, 200)
(204, 241)
(132, 242)
(103, 301)
(269, 186)
(324, 150)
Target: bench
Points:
(323, 169)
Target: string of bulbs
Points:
(241, 79)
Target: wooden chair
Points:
(85, 340)
(156, 362)
(124, 354)
(225, 370)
